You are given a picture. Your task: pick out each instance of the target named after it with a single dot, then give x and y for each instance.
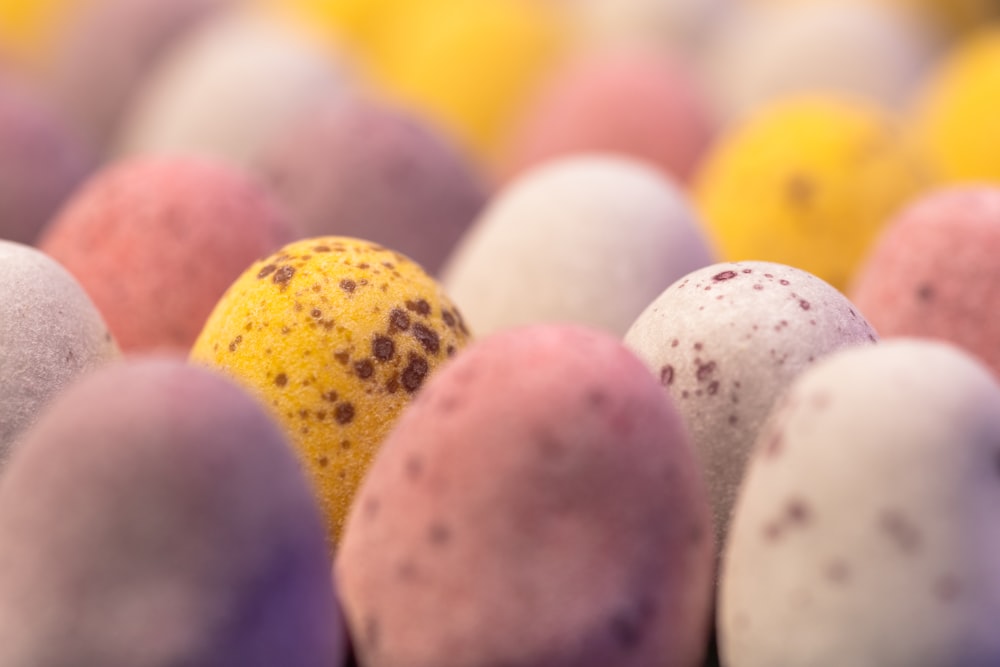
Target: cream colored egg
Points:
(866, 531)
(588, 239)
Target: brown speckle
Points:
(800, 189)
(448, 319)
(667, 375)
(321, 248)
(322, 462)
(428, 338)
(392, 384)
(235, 343)
(344, 413)
(345, 444)
(704, 371)
(399, 320)
(438, 534)
(797, 511)
(420, 307)
(280, 380)
(674, 343)
(364, 369)
(784, 282)
(925, 293)
(266, 271)
(758, 286)
(283, 276)
(838, 572)
(699, 346)
(804, 305)
(414, 373)
(331, 397)
(316, 313)
(383, 348)
(348, 285)
(725, 275)
(901, 531)
(713, 388)
(342, 357)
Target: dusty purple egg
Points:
(360, 168)
(155, 517)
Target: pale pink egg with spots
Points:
(865, 532)
(933, 273)
(538, 504)
(725, 341)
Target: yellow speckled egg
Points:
(956, 122)
(470, 65)
(335, 335)
(29, 28)
(808, 181)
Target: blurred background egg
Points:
(865, 532)
(637, 102)
(589, 239)
(230, 87)
(808, 181)
(105, 51)
(541, 495)
(162, 496)
(334, 335)
(50, 333)
(156, 241)
(42, 160)
(934, 273)
(725, 341)
(863, 48)
(955, 123)
(362, 168)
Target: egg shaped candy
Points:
(156, 241)
(954, 120)
(808, 181)
(538, 504)
(933, 272)
(589, 239)
(725, 342)
(865, 532)
(162, 496)
(42, 162)
(362, 168)
(636, 102)
(50, 334)
(230, 88)
(768, 51)
(335, 336)
(108, 48)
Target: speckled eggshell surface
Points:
(361, 168)
(335, 336)
(589, 239)
(156, 241)
(538, 504)
(41, 162)
(162, 496)
(933, 272)
(50, 333)
(726, 341)
(865, 534)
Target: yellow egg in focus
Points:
(808, 182)
(956, 123)
(335, 335)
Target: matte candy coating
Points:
(156, 242)
(538, 504)
(50, 334)
(335, 336)
(155, 517)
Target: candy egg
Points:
(538, 504)
(162, 496)
(365, 169)
(41, 162)
(933, 272)
(865, 531)
(725, 341)
(807, 181)
(636, 102)
(589, 239)
(230, 88)
(954, 121)
(50, 333)
(334, 335)
(156, 242)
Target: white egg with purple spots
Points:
(725, 341)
